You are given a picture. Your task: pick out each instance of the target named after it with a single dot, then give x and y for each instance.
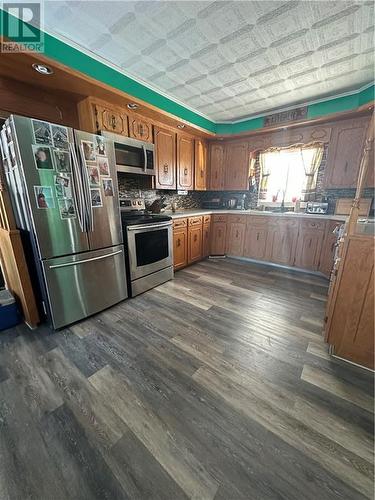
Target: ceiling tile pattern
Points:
(228, 59)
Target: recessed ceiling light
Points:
(133, 105)
(42, 69)
(181, 125)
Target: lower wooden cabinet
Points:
(283, 241)
(255, 245)
(218, 238)
(308, 249)
(180, 244)
(235, 238)
(206, 240)
(194, 243)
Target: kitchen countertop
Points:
(201, 211)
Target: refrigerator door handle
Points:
(76, 188)
(83, 261)
(145, 157)
(86, 182)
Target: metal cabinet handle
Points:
(346, 166)
(113, 122)
(165, 168)
(257, 236)
(310, 243)
(178, 242)
(195, 237)
(185, 171)
(237, 233)
(202, 172)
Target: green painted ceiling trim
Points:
(69, 56)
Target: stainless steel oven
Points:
(132, 156)
(148, 240)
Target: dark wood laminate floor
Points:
(214, 386)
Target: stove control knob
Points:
(134, 203)
(139, 203)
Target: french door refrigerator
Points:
(63, 187)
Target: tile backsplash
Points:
(134, 186)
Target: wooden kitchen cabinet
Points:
(165, 158)
(309, 244)
(218, 238)
(206, 239)
(185, 162)
(180, 244)
(140, 128)
(236, 167)
(283, 241)
(235, 238)
(195, 239)
(200, 165)
(344, 153)
(256, 238)
(216, 155)
(328, 249)
(96, 115)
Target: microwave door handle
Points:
(145, 158)
(88, 204)
(76, 187)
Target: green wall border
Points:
(63, 53)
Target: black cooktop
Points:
(134, 218)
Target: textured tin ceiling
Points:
(228, 60)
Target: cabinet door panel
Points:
(308, 249)
(200, 165)
(216, 167)
(255, 246)
(344, 154)
(165, 159)
(140, 129)
(236, 166)
(284, 241)
(235, 239)
(218, 238)
(111, 119)
(185, 162)
(206, 240)
(179, 248)
(194, 243)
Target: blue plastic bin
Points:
(9, 315)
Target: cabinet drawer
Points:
(195, 221)
(179, 223)
(237, 219)
(258, 220)
(219, 218)
(313, 224)
(284, 223)
(206, 219)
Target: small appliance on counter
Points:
(235, 203)
(213, 203)
(315, 207)
(148, 245)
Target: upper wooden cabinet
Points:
(165, 158)
(185, 162)
(344, 153)
(96, 115)
(236, 166)
(200, 166)
(216, 154)
(140, 128)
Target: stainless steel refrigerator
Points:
(63, 187)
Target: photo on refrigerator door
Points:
(100, 146)
(88, 150)
(67, 208)
(94, 178)
(63, 186)
(42, 132)
(42, 157)
(60, 136)
(62, 160)
(44, 197)
(107, 187)
(103, 165)
(96, 198)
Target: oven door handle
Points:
(149, 227)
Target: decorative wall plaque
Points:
(285, 116)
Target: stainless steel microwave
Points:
(132, 156)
